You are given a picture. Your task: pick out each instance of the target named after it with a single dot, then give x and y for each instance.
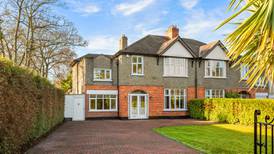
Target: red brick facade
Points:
(98, 114)
(156, 99)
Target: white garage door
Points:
(261, 95)
(75, 107)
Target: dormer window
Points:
(102, 74)
(215, 69)
(137, 65)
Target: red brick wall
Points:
(98, 114)
(191, 93)
(156, 101)
(252, 92)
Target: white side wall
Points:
(178, 50)
(217, 53)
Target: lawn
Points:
(216, 138)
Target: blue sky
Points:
(102, 22)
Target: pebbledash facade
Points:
(155, 77)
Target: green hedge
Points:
(29, 107)
(234, 111)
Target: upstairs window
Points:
(215, 93)
(101, 74)
(137, 65)
(175, 67)
(214, 68)
(244, 70)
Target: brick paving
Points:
(113, 136)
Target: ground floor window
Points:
(175, 99)
(102, 102)
(215, 93)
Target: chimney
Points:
(172, 32)
(123, 42)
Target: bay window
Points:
(175, 99)
(102, 102)
(215, 68)
(175, 67)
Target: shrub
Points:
(232, 95)
(29, 106)
(234, 111)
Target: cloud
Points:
(145, 29)
(189, 4)
(82, 7)
(88, 9)
(106, 44)
(130, 8)
(201, 24)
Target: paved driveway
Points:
(113, 136)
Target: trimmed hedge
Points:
(29, 107)
(233, 111)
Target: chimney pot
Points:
(123, 42)
(172, 32)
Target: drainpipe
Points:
(77, 91)
(196, 78)
(118, 95)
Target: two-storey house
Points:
(155, 77)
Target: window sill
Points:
(174, 110)
(102, 80)
(175, 76)
(214, 77)
(137, 75)
(103, 111)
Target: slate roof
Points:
(90, 55)
(156, 45)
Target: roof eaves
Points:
(210, 50)
(189, 49)
(124, 50)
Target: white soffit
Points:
(103, 92)
(217, 53)
(178, 50)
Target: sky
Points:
(102, 22)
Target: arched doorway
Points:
(138, 105)
(244, 94)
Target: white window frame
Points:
(244, 70)
(208, 93)
(175, 96)
(171, 63)
(137, 63)
(210, 62)
(102, 110)
(105, 70)
(260, 84)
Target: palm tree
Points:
(252, 42)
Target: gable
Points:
(178, 50)
(217, 53)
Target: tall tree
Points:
(252, 42)
(33, 36)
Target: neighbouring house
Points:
(156, 76)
